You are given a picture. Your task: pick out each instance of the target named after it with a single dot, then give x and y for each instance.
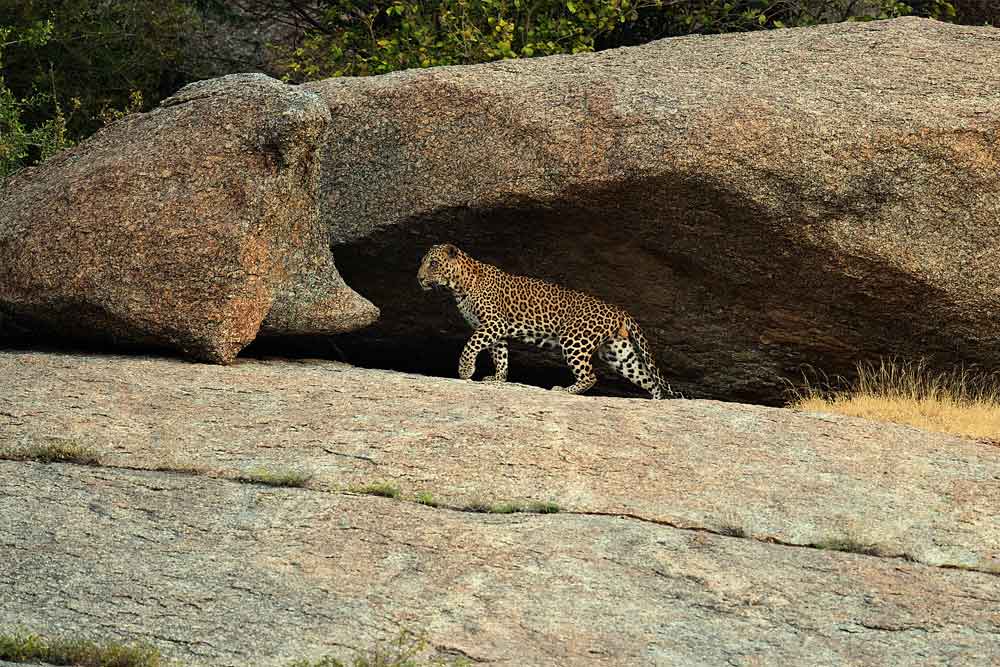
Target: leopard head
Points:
(444, 266)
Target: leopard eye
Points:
(433, 263)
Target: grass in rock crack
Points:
(383, 489)
(285, 478)
(407, 650)
(543, 507)
(848, 545)
(426, 498)
(479, 506)
(25, 647)
(387, 490)
(733, 531)
(61, 451)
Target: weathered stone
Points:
(193, 226)
(219, 573)
(775, 474)
(758, 201)
(216, 572)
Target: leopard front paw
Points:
(494, 378)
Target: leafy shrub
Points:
(360, 38)
(71, 66)
(20, 143)
(351, 38)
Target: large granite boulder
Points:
(758, 201)
(194, 226)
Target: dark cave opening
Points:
(736, 302)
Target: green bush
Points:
(721, 16)
(71, 66)
(359, 38)
(22, 143)
(351, 38)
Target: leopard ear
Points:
(452, 251)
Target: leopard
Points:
(500, 306)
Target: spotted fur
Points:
(500, 306)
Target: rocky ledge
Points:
(689, 532)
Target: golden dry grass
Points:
(957, 402)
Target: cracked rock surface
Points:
(639, 568)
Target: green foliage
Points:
(427, 498)
(20, 143)
(352, 38)
(543, 507)
(31, 648)
(977, 12)
(721, 16)
(361, 38)
(70, 66)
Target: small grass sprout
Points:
(732, 530)
(281, 478)
(426, 498)
(383, 489)
(543, 507)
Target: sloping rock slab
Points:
(758, 201)
(193, 226)
(775, 475)
(219, 573)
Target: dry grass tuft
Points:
(957, 402)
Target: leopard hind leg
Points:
(620, 354)
(579, 355)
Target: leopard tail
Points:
(641, 346)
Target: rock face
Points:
(758, 201)
(193, 226)
(691, 532)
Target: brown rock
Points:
(637, 569)
(193, 226)
(758, 201)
